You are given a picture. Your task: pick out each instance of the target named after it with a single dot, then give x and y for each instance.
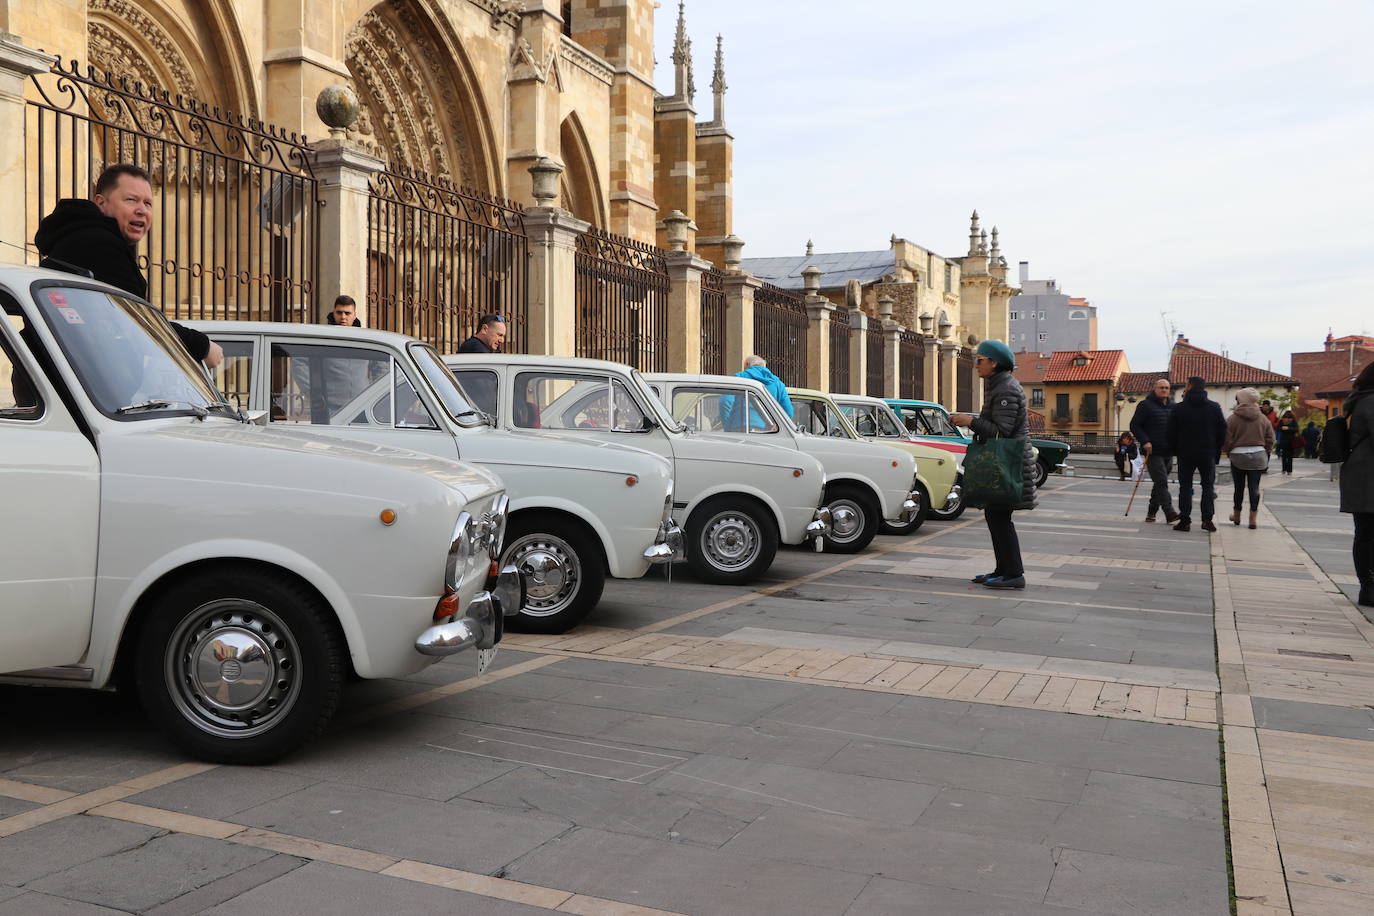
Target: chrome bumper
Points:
(483, 624)
(911, 507)
(670, 545)
(820, 526)
(956, 492)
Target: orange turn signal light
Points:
(796, 472)
(388, 516)
(631, 481)
(448, 605)
(894, 464)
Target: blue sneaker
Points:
(1004, 582)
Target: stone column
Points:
(930, 378)
(342, 169)
(949, 378)
(552, 234)
(818, 309)
(892, 348)
(858, 352)
(684, 311)
(739, 318)
(17, 64)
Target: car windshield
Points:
(939, 422)
(655, 405)
(129, 359)
(448, 389)
(888, 427)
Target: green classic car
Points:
(929, 419)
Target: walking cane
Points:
(1134, 489)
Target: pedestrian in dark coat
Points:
(1311, 437)
(490, 336)
(1003, 414)
(102, 236)
(1150, 426)
(1286, 434)
(1357, 479)
(1126, 453)
(1197, 430)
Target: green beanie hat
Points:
(998, 352)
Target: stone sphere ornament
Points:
(338, 108)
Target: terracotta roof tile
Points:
(1139, 382)
(1188, 361)
(1102, 365)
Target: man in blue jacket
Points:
(1149, 425)
(756, 368)
(1196, 431)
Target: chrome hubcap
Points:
(552, 572)
(847, 521)
(730, 541)
(231, 667)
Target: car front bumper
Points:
(670, 545)
(820, 525)
(911, 507)
(483, 624)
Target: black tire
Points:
(950, 513)
(1042, 472)
(730, 541)
(915, 524)
(565, 571)
(855, 515)
(268, 649)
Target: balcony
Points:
(1062, 417)
(1088, 414)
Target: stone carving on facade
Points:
(526, 64)
(110, 49)
(412, 114)
(584, 60)
(501, 11)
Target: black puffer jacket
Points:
(1149, 424)
(1004, 414)
(1357, 474)
(1197, 428)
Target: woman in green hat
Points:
(1004, 415)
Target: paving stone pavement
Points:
(866, 735)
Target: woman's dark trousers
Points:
(1363, 550)
(1246, 480)
(1288, 460)
(1006, 547)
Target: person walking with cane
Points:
(1249, 440)
(1149, 425)
(1003, 418)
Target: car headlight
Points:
(459, 551)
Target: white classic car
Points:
(233, 575)
(578, 508)
(865, 483)
(739, 498)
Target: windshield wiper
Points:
(485, 417)
(200, 412)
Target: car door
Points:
(50, 490)
(352, 390)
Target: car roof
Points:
(860, 398)
(292, 328)
(23, 275)
(915, 402)
(526, 359)
(703, 378)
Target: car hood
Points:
(244, 453)
(729, 448)
(553, 449)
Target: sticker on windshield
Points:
(56, 298)
(71, 314)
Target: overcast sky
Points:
(1209, 159)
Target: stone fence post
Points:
(343, 169)
(858, 352)
(930, 376)
(17, 64)
(739, 318)
(818, 309)
(949, 375)
(551, 233)
(684, 296)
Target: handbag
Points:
(994, 472)
(1250, 461)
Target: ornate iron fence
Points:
(440, 257)
(780, 332)
(235, 230)
(963, 381)
(875, 359)
(622, 301)
(911, 368)
(713, 322)
(839, 351)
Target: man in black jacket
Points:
(1149, 425)
(102, 235)
(490, 336)
(1196, 431)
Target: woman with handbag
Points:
(1249, 440)
(999, 467)
(1357, 478)
(1126, 452)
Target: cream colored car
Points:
(818, 414)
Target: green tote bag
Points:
(994, 474)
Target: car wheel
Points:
(730, 542)
(1042, 473)
(854, 519)
(915, 524)
(954, 506)
(240, 667)
(564, 573)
